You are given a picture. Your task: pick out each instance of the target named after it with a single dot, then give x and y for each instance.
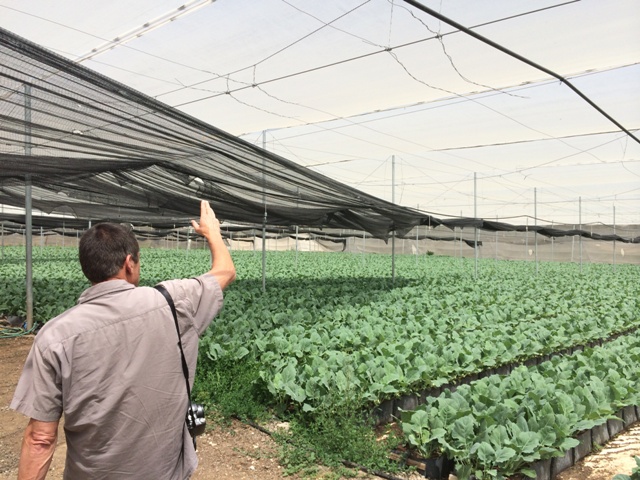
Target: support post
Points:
(526, 240)
(475, 218)
(535, 220)
(552, 243)
(580, 228)
(264, 221)
(417, 238)
(496, 241)
(28, 208)
(393, 233)
(614, 240)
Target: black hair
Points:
(104, 248)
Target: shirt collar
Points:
(104, 288)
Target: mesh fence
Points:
(421, 241)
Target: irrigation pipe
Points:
(14, 332)
(344, 462)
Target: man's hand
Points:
(209, 227)
(209, 224)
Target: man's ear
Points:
(129, 263)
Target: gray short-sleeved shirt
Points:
(112, 366)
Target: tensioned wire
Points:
(528, 12)
(359, 57)
(187, 171)
(549, 137)
(523, 59)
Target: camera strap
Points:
(185, 368)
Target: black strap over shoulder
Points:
(185, 367)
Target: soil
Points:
(240, 452)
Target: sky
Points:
(384, 97)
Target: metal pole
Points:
(535, 219)
(475, 217)
(264, 222)
(417, 237)
(28, 207)
(526, 240)
(614, 240)
(460, 238)
(552, 242)
(393, 233)
(573, 243)
(496, 240)
(580, 219)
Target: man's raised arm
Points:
(222, 266)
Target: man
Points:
(112, 365)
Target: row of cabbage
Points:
(499, 425)
(351, 333)
(335, 324)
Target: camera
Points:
(196, 422)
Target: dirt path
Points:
(240, 452)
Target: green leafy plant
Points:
(337, 431)
(232, 387)
(497, 426)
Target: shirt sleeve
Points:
(198, 299)
(39, 391)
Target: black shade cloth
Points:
(100, 151)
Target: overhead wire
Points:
(343, 61)
(581, 151)
(442, 149)
(262, 60)
(84, 32)
(470, 98)
(437, 36)
(532, 167)
(295, 42)
(347, 119)
(329, 24)
(523, 59)
(437, 103)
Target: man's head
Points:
(110, 250)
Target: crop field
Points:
(552, 354)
